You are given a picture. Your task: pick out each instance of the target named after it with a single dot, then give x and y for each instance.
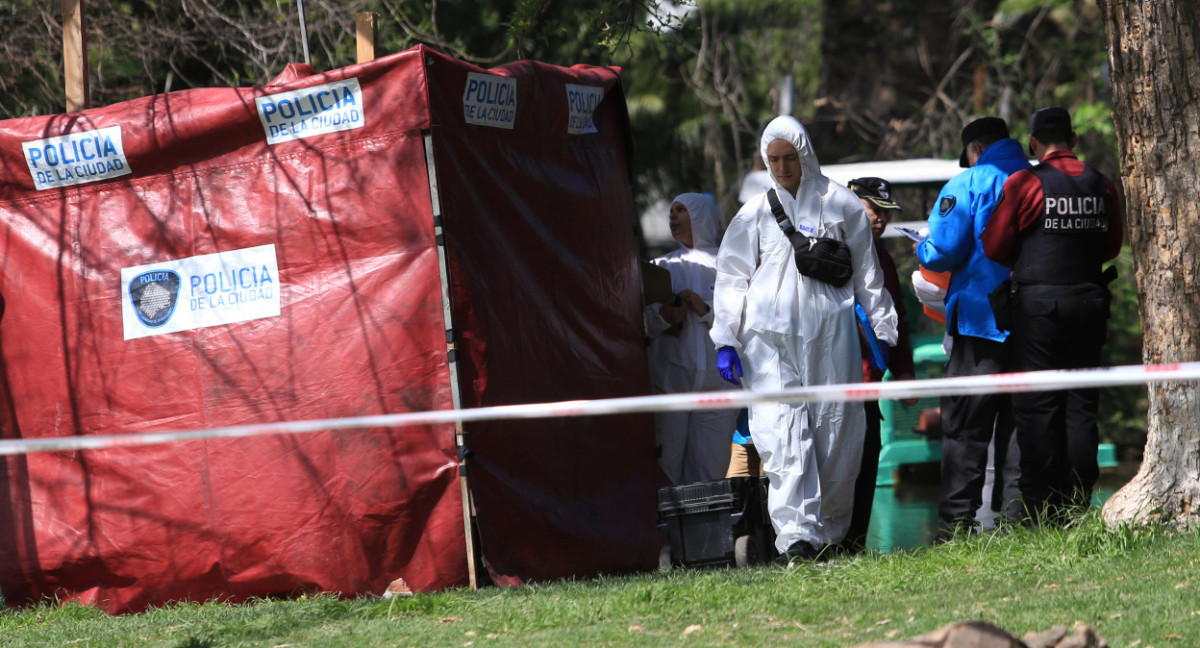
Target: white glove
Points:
(929, 294)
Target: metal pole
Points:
(303, 31)
(787, 92)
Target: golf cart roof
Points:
(917, 171)
(898, 172)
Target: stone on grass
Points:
(981, 634)
(397, 588)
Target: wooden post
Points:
(74, 55)
(365, 35)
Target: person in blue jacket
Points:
(953, 245)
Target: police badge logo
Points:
(946, 205)
(154, 295)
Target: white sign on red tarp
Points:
(206, 290)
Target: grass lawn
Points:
(1136, 587)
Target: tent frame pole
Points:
(455, 393)
(75, 76)
(364, 36)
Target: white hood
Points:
(817, 194)
(706, 220)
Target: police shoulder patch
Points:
(946, 205)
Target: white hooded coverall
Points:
(695, 444)
(791, 331)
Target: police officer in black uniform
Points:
(1056, 225)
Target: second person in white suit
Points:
(695, 444)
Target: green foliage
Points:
(1094, 118)
(1029, 54)
(1131, 584)
(701, 91)
(28, 89)
(1024, 6)
(140, 47)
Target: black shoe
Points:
(961, 531)
(800, 550)
(846, 548)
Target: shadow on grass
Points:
(192, 642)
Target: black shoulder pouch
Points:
(1004, 304)
(823, 259)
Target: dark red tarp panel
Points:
(546, 304)
(234, 256)
(359, 331)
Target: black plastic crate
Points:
(716, 523)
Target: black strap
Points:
(797, 238)
(777, 210)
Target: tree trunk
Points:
(1153, 48)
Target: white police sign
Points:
(76, 158)
(490, 100)
(200, 291)
(581, 104)
(309, 112)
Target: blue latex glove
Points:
(728, 363)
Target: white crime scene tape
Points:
(894, 390)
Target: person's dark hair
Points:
(1060, 136)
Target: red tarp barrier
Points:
(550, 286)
(227, 256)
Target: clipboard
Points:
(872, 341)
(656, 285)
(910, 233)
(656, 289)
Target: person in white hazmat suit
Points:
(788, 330)
(695, 444)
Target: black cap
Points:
(875, 190)
(1051, 117)
(992, 128)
